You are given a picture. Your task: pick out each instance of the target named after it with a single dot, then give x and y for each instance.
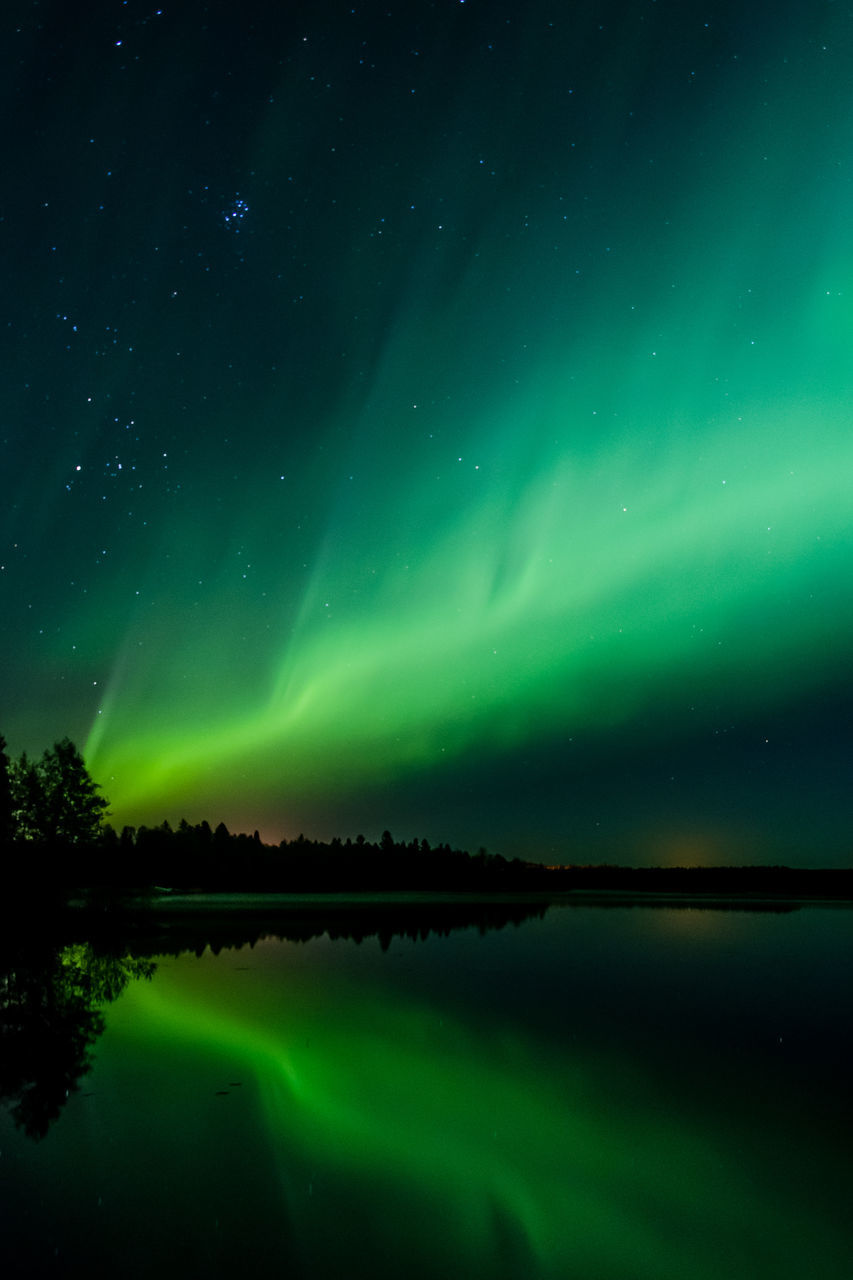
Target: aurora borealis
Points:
(437, 417)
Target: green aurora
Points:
(368, 1120)
(487, 473)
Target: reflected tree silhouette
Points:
(51, 1014)
(52, 997)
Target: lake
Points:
(574, 1090)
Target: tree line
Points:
(55, 837)
(196, 857)
(53, 819)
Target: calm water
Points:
(596, 1092)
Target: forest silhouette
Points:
(52, 816)
(55, 838)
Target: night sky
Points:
(435, 416)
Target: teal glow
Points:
(513, 413)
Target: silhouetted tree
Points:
(109, 838)
(72, 810)
(27, 799)
(55, 799)
(6, 829)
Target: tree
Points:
(5, 796)
(56, 799)
(27, 799)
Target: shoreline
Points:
(237, 902)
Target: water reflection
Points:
(592, 1094)
(53, 995)
(51, 1014)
